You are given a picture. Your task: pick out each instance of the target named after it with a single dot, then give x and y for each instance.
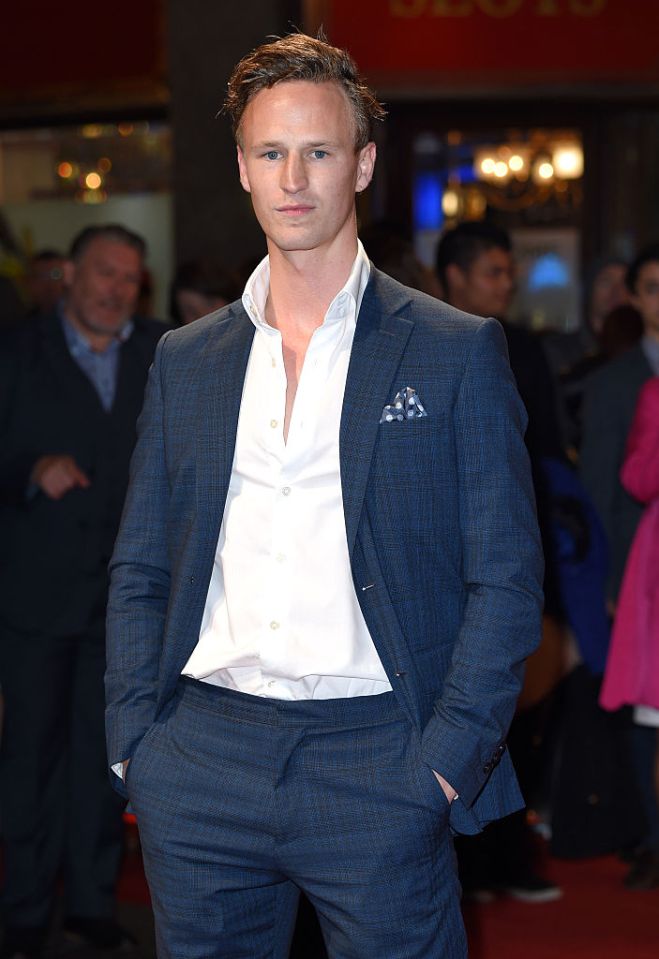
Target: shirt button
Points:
(274, 424)
(274, 624)
(286, 490)
(271, 683)
(280, 558)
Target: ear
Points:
(242, 169)
(365, 167)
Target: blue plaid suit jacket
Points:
(439, 515)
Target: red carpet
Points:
(596, 918)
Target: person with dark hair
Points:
(200, 287)
(327, 577)
(605, 290)
(476, 269)
(621, 329)
(574, 356)
(475, 266)
(71, 388)
(610, 401)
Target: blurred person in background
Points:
(201, 287)
(71, 388)
(11, 305)
(610, 400)
(573, 356)
(44, 282)
(476, 270)
(622, 329)
(632, 669)
(604, 289)
(391, 250)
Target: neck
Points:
(304, 283)
(98, 342)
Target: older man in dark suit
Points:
(328, 573)
(71, 388)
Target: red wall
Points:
(515, 41)
(78, 45)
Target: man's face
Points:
(103, 286)
(298, 161)
(486, 287)
(646, 297)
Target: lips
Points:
(296, 210)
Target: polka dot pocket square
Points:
(406, 406)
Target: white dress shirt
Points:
(282, 618)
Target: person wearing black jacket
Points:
(71, 389)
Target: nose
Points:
(293, 176)
(124, 291)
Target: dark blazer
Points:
(439, 518)
(54, 554)
(609, 404)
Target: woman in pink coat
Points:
(632, 668)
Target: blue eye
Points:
(271, 155)
(319, 154)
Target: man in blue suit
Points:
(328, 573)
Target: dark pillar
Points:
(213, 216)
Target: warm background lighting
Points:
(567, 160)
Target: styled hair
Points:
(108, 231)
(650, 254)
(465, 243)
(300, 57)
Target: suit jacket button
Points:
(487, 768)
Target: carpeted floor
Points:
(596, 918)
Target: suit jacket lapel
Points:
(380, 338)
(220, 377)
